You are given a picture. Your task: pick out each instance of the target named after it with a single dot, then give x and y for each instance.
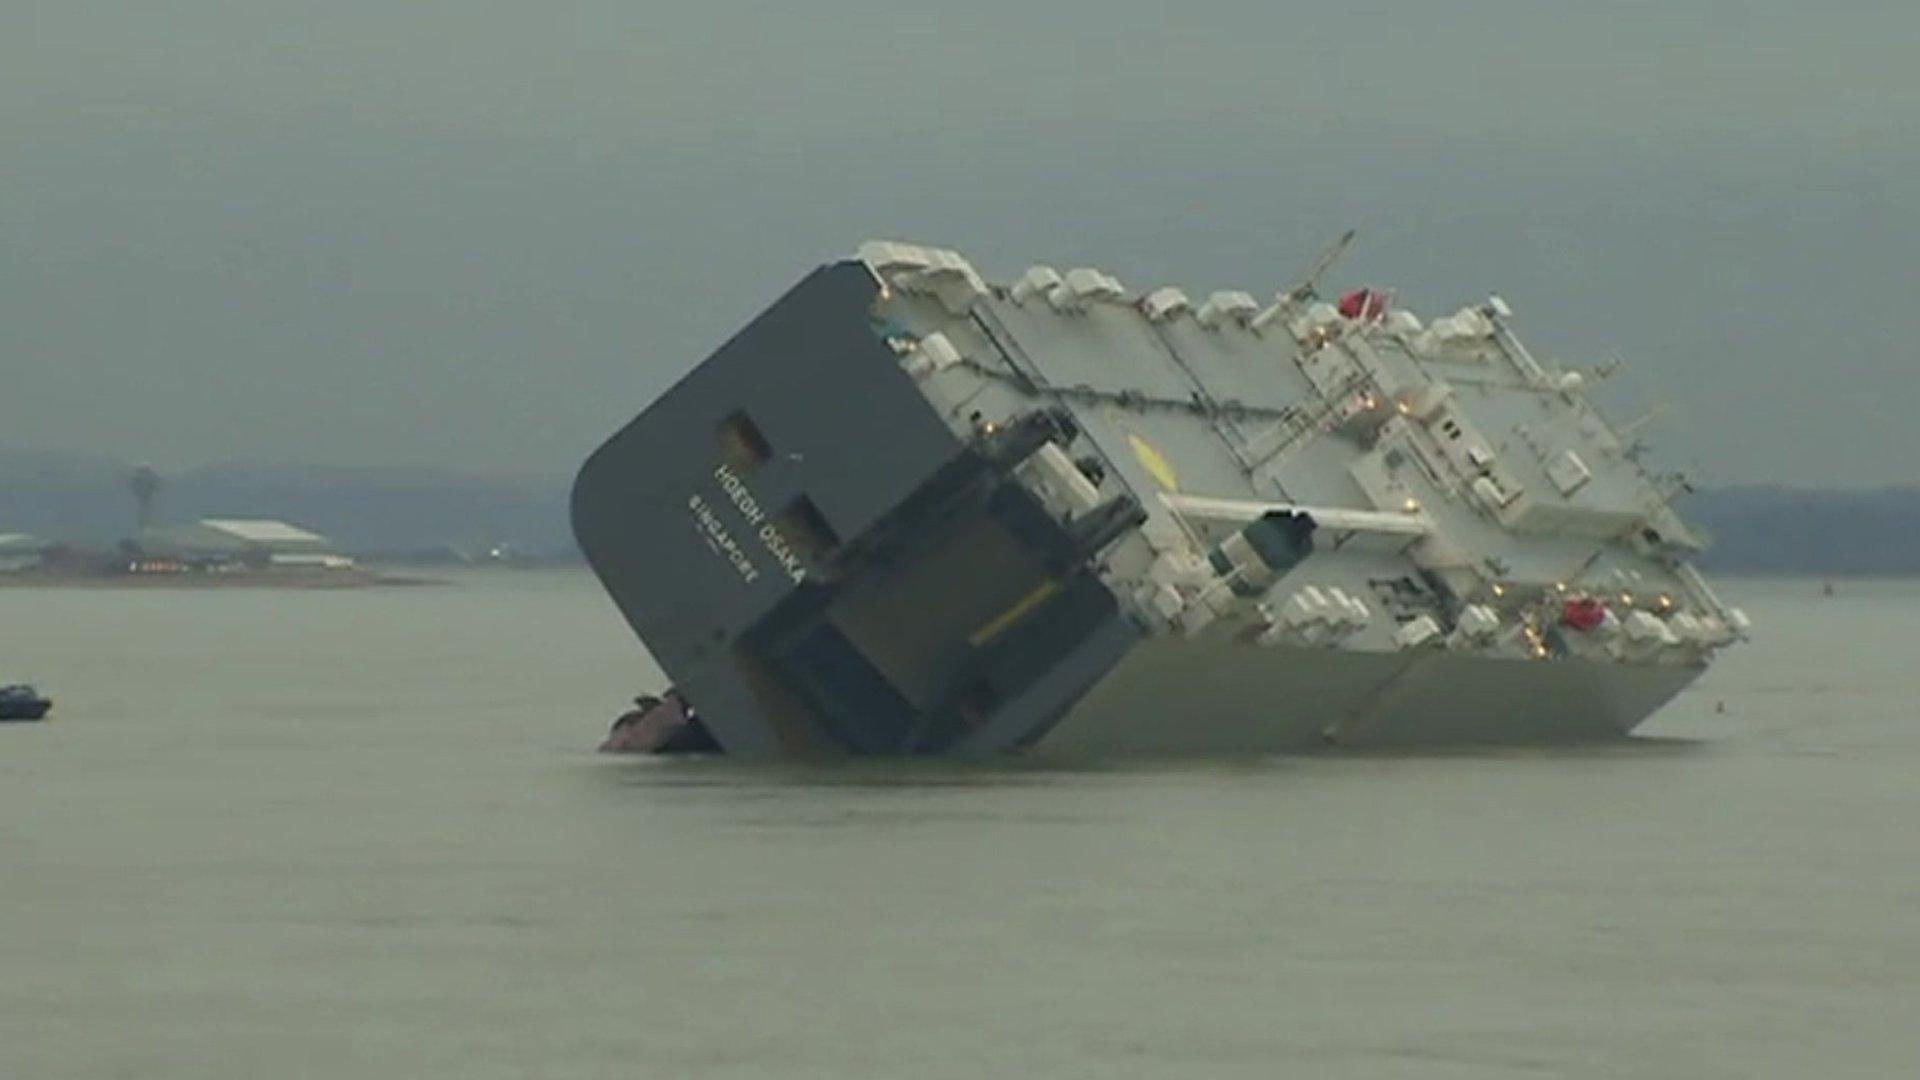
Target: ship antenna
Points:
(1630, 431)
(1307, 285)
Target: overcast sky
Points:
(483, 235)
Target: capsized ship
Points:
(908, 511)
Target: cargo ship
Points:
(909, 511)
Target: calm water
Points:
(361, 834)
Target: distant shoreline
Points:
(430, 519)
(307, 582)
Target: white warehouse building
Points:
(257, 542)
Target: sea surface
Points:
(362, 834)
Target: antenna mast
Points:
(1308, 284)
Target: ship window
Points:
(742, 446)
(806, 528)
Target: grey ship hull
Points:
(1170, 696)
(826, 562)
(761, 649)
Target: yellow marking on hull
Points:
(993, 627)
(1156, 465)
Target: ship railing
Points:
(1516, 353)
(1299, 425)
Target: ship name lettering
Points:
(715, 533)
(782, 552)
(770, 536)
(736, 490)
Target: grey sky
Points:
(483, 235)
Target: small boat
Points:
(22, 702)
